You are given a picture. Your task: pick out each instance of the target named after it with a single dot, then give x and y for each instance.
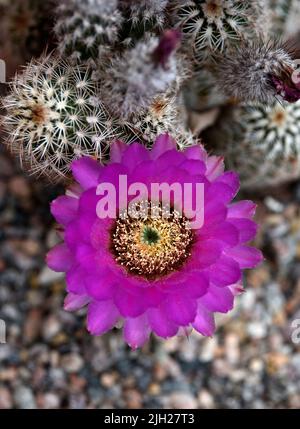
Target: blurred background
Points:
(47, 359)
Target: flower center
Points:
(152, 246)
(150, 236)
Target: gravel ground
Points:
(49, 361)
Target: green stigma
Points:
(150, 236)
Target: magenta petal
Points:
(227, 233)
(85, 255)
(75, 302)
(75, 281)
(128, 304)
(102, 316)
(237, 289)
(78, 232)
(247, 229)
(160, 325)
(218, 299)
(171, 157)
(196, 152)
(136, 331)
(100, 285)
(180, 309)
(230, 179)
(207, 252)
(135, 154)
(86, 171)
(224, 231)
(153, 295)
(220, 192)
(226, 271)
(88, 203)
(116, 151)
(246, 256)
(162, 144)
(204, 322)
(111, 173)
(194, 167)
(197, 284)
(100, 233)
(214, 212)
(59, 258)
(64, 209)
(146, 173)
(242, 209)
(215, 167)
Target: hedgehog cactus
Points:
(162, 116)
(140, 88)
(259, 72)
(53, 117)
(85, 27)
(262, 143)
(91, 30)
(211, 26)
(141, 17)
(202, 92)
(135, 79)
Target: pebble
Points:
(6, 401)
(108, 379)
(48, 276)
(24, 398)
(274, 205)
(32, 326)
(180, 400)
(19, 187)
(232, 350)
(205, 399)
(207, 350)
(133, 399)
(48, 401)
(72, 362)
(51, 327)
(8, 374)
(257, 330)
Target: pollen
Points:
(154, 244)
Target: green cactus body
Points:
(210, 26)
(85, 28)
(53, 117)
(261, 143)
